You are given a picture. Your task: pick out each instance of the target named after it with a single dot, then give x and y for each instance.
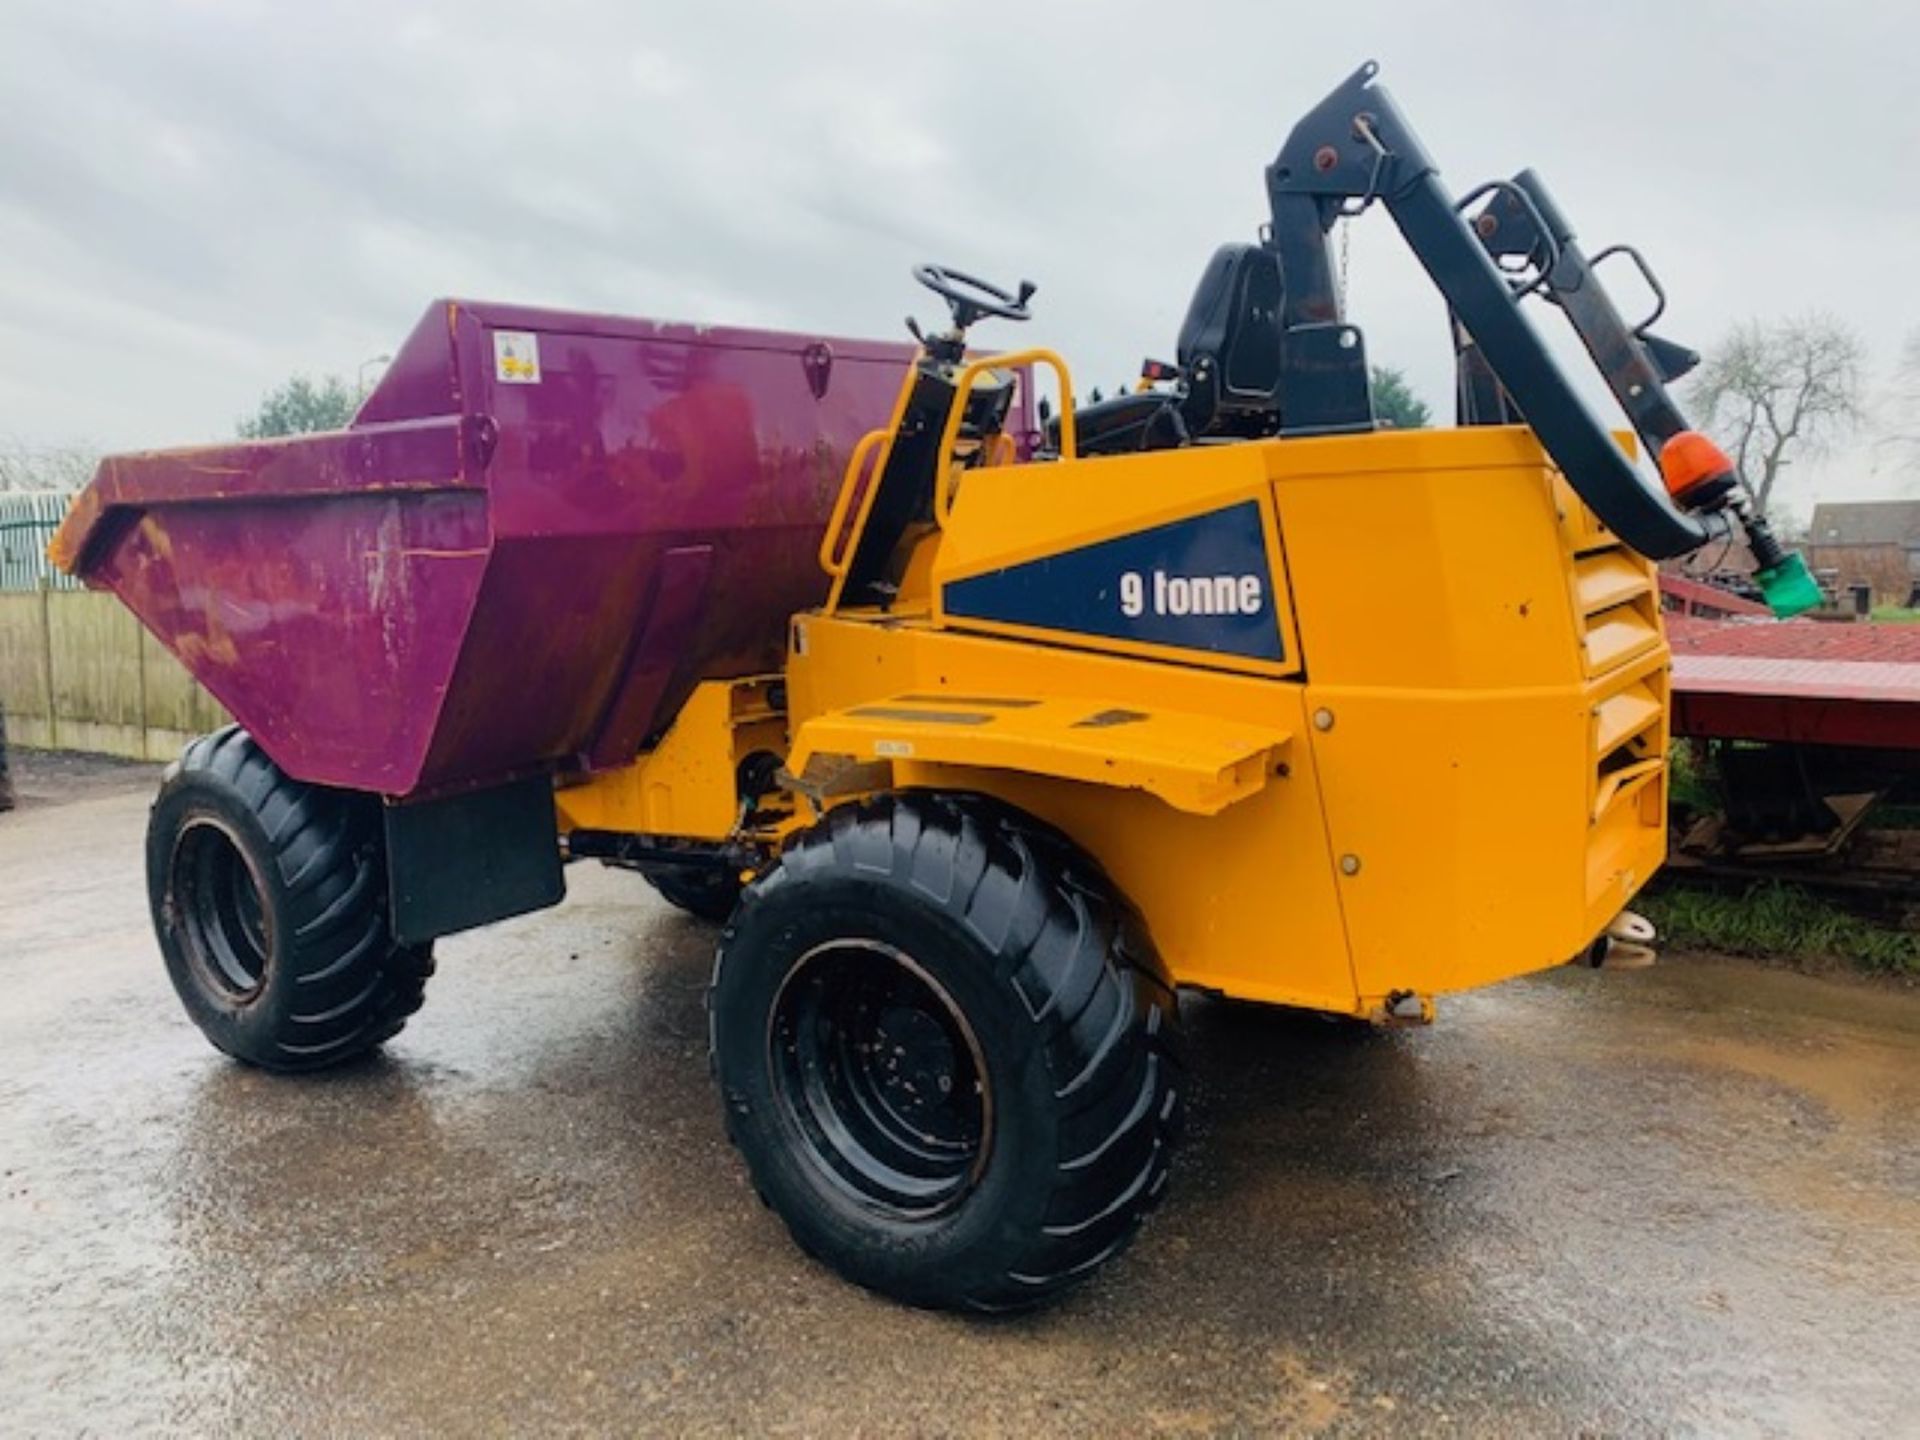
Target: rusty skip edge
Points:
(444, 452)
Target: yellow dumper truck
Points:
(980, 733)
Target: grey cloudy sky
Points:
(198, 197)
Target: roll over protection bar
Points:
(1354, 148)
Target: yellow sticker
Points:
(516, 357)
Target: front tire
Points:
(948, 1052)
(269, 902)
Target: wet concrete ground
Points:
(1680, 1200)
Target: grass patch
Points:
(1776, 921)
(1895, 615)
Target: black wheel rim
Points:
(221, 911)
(877, 1070)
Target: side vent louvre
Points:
(1629, 733)
(1619, 609)
(1616, 601)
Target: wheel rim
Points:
(878, 1071)
(221, 909)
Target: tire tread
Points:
(1101, 1005)
(352, 986)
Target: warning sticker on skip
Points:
(516, 357)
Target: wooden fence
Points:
(77, 672)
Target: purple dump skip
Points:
(540, 531)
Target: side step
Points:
(1196, 763)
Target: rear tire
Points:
(705, 894)
(948, 1052)
(269, 902)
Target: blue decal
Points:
(1198, 584)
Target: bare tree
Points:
(45, 467)
(1776, 389)
(1902, 408)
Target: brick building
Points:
(1868, 542)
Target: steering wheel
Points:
(971, 298)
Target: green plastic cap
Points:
(1789, 587)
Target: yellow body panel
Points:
(1242, 901)
(1453, 773)
(684, 787)
(1475, 680)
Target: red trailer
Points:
(1804, 725)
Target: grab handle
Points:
(963, 391)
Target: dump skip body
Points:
(539, 532)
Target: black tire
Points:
(269, 901)
(705, 894)
(947, 1051)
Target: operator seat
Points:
(1229, 357)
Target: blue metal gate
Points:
(27, 523)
